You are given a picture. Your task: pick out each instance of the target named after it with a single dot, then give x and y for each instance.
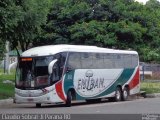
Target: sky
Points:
(143, 1)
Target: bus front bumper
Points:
(50, 97)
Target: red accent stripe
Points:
(135, 81)
(59, 90)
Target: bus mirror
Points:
(12, 66)
(50, 66)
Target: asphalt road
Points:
(136, 106)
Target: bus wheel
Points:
(118, 94)
(69, 99)
(125, 94)
(38, 105)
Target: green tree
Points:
(122, 24)
(68, 18)
(21, 21)
(91, 33)
(10, 14)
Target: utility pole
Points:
(7, 58)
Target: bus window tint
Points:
(74, 61)
(119, 61)
(97, 61)
(127, 61)
(86, 59)
(108, 61)
(24, 66)
(41, 65)
(63, 59)
(134, 60)
(101, 60)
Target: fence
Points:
(149, 71)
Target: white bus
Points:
(62, 73)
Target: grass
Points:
(6, 90)
(150, 87)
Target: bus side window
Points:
(119, 61)
(62, 62)
(108, 61)
(134, 60)
(87, 60)
(128, 61)
(55, 73)
(58, 67)
(74, 61)
(98, 61)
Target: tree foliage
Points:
(21, 21)
(121, 24)
(10, 14)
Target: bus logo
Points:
(90, 83)
(89, 73)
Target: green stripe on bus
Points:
(124, 77)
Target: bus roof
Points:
(53, 49)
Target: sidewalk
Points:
(154, 95)
(6, 101)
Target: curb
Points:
(6, 101)
(145, 95)
(154, 95)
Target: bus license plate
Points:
(30, 100)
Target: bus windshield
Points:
(33, 72)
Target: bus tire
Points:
(125, 94)
(38, 105)
(69, 99)
(118, 94)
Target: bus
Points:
(64, 73)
